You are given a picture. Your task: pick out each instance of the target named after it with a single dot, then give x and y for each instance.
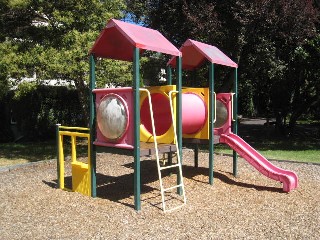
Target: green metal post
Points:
(235, 117)
(196, 147)
(169, 82)
(196, 155)
(92, 126)
(58, 153)
(211, 121)
(136, 106)
(169, 75)
(179, 114)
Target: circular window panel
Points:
(112, 117)
(222, 114)
(161, 113)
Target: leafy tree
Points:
(7, 63)
(305, 77)
(274, 43)
(53, 38)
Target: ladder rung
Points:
(176, 186)
(171, 166)
(175, 208)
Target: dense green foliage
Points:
(53, 38)
(37, 109)
(275, 43)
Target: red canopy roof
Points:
(195, 53)
(117, 39)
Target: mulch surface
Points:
(250, 206)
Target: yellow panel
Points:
(61, 162)
(204, 94)
(81, 178)
(81, 172)
(167, 137)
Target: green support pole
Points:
(196, 155)
(179, 114)
(169, 82)
(211, 121)
(58, 153)
(92, 126)
(235, 117)
(169, 75)
(136, 106)
(196, 148)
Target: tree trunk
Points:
(300, 110)
(83, 93)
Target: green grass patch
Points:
(282, 150)
(300, 155)
(303, 146)
(18, 153)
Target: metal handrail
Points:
(215, 107)
(232, 94)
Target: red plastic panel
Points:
(225, 100)
(117, 40)
(123, 96)
(113, 117)
(161, 113)
(196, 53)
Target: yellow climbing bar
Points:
(75, 134)
(74, 128)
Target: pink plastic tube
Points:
(194, 113)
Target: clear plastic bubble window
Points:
(222, 114)
(112, 117)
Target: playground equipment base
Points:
(146, 149)
(201, 141)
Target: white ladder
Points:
(160, 168)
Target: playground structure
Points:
(156, 120)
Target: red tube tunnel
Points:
(115, 110)
(195, 124)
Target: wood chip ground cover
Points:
(250, 206)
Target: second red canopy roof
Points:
(194, 54)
